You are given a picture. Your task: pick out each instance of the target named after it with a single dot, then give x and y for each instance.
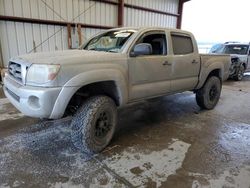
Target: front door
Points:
(149, 75)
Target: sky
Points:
(213, 21)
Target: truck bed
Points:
(208, 62)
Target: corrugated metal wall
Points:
(19, 38)
(134, 17)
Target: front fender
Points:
(85, 78)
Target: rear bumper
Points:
(31, 101)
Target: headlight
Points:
(41, 74)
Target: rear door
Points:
(186, 62)
(149, 75)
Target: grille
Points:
(15, 70)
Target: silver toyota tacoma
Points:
(114, 68)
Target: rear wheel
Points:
(208, 96)
(94, 124)
(240, 74)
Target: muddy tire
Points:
(208, 96)
(94, 124)
(240, 73)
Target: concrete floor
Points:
(168, 142)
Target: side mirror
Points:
(142, 49)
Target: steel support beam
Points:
(51, 22)
(69, 36)
(79, 31)
(180, 12)
(121, 13)
(137, 7)
(150, 10)
(107, 2)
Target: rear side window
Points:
(182, 44)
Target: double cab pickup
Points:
(113, 69)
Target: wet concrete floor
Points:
(166, 142)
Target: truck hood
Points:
(68, 57)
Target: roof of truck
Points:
(152, 28)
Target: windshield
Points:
(216, 48)
(232, 49)
(111, 41)
(236, 49)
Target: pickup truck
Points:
(113, 69)
(240, 57)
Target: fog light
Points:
(34, 102)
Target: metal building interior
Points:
(41, 25)
(162, 142)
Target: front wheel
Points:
(94, 124)
(208, 96)
(240, 74)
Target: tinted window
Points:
(236, 49)
(157, 41)
(232, 49)
(182, 44)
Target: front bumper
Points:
(31, 101)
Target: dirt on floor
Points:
(165, 142)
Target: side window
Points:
(182, 44)
(157, 41)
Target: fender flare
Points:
(205, 73)
(90, 77)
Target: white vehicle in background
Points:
(240, 57)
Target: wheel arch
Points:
(109, 82)
(215, 72)
(212, 71)
(108, 88)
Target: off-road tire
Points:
(208, 96)
(85, 124)
(240, 73)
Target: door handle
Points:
(166, 63)
(195, 62)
